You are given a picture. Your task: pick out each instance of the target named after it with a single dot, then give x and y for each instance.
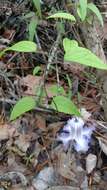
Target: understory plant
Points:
(73, 53)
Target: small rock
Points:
(91, 161)
(44, 179)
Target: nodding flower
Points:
(75, 132)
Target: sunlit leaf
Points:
(82, 10)
(83, 56)
(63, 15)
(23, 46)
(68, 44)
(55, 90)
(32, 27)
(28, 15)
(65, 105)
(37, 4)
(23, 105)
(96, 11)
(36, 70)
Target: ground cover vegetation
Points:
(53, 95)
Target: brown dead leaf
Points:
(11, 159)
(14, 165)
(103, 143)
(3, 169)
(9, 34)
(90, 105)
(68, 167)
(41, 122)
(6, 131)
(74, 68)
(23, 142)
(53, 128)
(65, 167)
(32, 83)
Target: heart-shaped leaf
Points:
(82, 55)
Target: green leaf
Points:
(79, 12)
(82, 10)
(2, 52)
(28, 15)
(63, 15)
(89, 19)
(32, 27)
(83, 56)
(23, 105)
(68, 44)
(36, 70)
(56, 90)
(60, 27)
(65, 105)
(23, 46)
(37, 5)
(96, 11)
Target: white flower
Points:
(77, 133)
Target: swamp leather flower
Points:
(75, 132)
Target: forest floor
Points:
(31, 157)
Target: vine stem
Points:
(50, 61)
